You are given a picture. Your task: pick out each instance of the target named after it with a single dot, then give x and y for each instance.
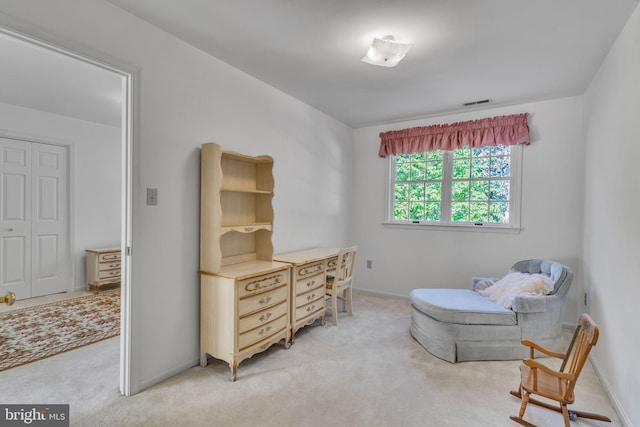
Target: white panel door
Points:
(49, 219)
(15, 218)
(34, 218)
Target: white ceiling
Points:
(32, 76)
(509, 51)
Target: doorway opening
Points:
(83, 102)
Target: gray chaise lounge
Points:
(461, 325)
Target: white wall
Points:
(96, 170)
(551, 211)
(186, 98)
(611, 226)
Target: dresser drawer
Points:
(312, 307)
(310, 269)
(262, 332)
(266, 299)
(262, 317)
(331, 263)
(109, 265)
(306, 298)
(105, 274)
(109, 256)
(263, 283)
(310, 283)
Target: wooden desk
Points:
(308, 284)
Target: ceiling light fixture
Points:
(386, 52)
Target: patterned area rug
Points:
(33, 333)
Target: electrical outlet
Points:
(369, 263)
(152, 196)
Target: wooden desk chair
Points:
(558, 385)
(339, 282)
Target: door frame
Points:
(129, 79)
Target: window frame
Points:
(515, 195)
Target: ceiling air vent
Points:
(482, 101)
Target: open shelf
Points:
(236, 208)
(244, 190)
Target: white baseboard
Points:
(610, 393)
(166, 375)
(380, 294)
(569, 326)
(605, 383)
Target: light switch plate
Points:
(152, 196)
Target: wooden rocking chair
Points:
(538, 379)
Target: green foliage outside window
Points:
(479, 180)
(418, 187)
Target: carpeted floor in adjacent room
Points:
(36, 332)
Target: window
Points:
(465, 187)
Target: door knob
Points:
(8, 299)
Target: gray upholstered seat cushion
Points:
(461, 306)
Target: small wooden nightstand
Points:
(103, 267)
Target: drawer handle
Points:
(311, 283)
(264, 300)
(265, 317)
(265, 330)
(263, 283)
(114, 265)
(248, 229)
(311, 308)
(312, 269)
(310, 297)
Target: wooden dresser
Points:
(308, 277)
(244, 305)
(103, 267)
(245, 310)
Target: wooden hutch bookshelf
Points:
(245, 295)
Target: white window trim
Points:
(515, 205)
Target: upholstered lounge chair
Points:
(461, 324)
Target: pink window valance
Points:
(502, 130)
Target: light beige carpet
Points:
(368, 371)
